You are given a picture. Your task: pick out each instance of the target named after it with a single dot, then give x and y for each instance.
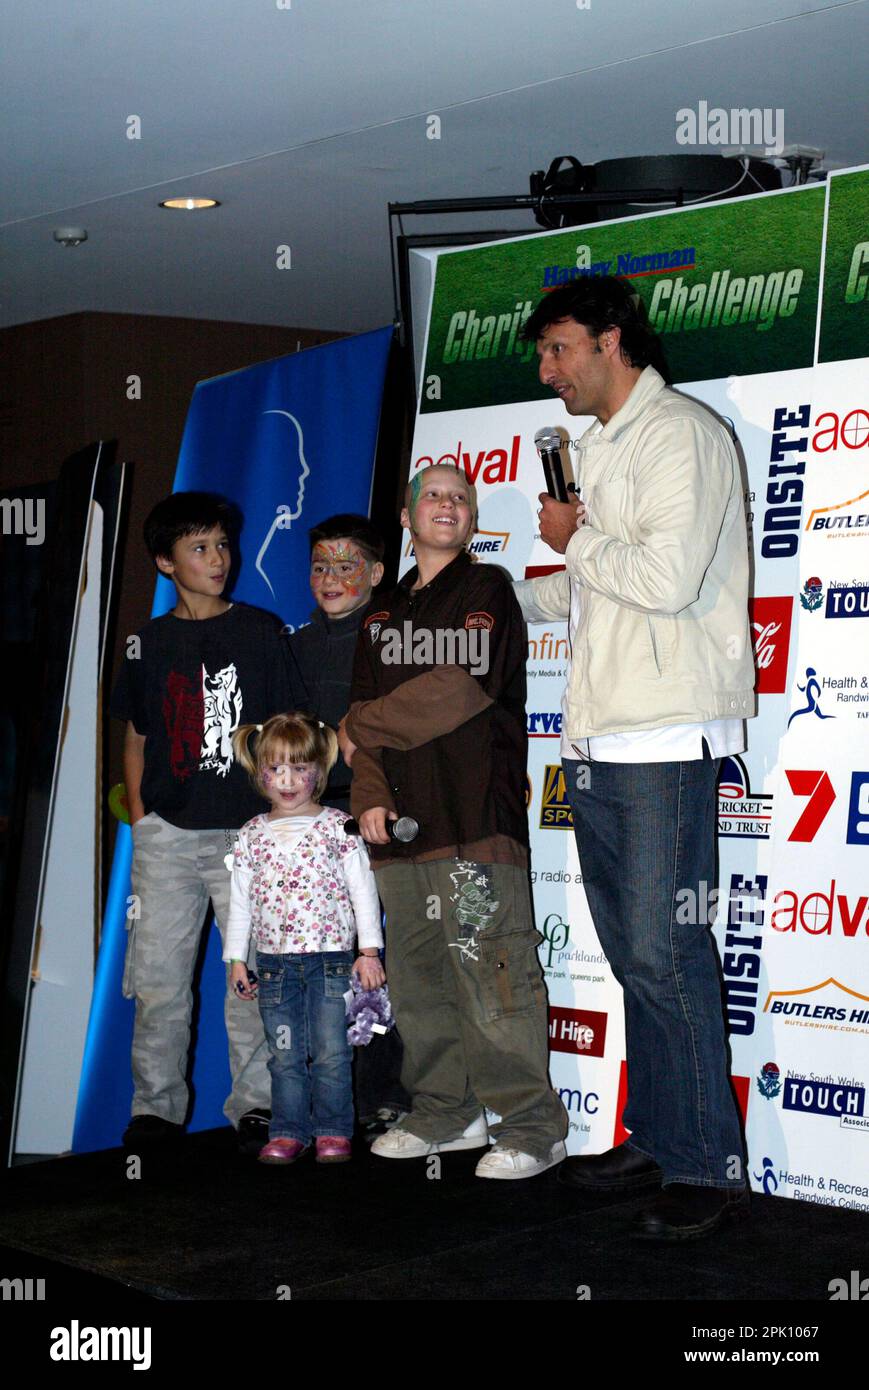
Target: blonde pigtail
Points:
(241, 741)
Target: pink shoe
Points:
(332, 1148)
(281, 1151)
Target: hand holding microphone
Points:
(378, 826)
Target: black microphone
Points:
(548, 443)
(404, 829)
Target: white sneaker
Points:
(504, 1162)
(401, 1143)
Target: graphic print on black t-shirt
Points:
(192, 686)
(200, 723)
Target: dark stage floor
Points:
(210, 1225)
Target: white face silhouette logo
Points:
(286, 515)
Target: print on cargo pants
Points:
(473, 906)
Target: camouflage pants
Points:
(175, 873)
(470, 1003)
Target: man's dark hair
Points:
(600, 302)
(188, 514)
(354, 528)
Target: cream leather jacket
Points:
(660, 572)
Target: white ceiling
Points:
(306, 121)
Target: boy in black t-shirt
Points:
(188, 680)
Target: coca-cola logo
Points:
(771, 631)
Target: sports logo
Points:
(771, 627)
(847, 601)
(769, 1081)
(480, 620)
(555, 813)
(812, 595)
(742, 813)
(823, 1098)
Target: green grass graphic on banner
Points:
(730, 287)
(845, 312)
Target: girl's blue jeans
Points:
(301, 999)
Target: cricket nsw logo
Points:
(285, 514)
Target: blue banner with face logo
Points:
(290, 442)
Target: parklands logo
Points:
(627, 265)
(826, 1006)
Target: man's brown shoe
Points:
(621, 1169)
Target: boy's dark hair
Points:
(354, 528)
(188, 514)
(600, 302)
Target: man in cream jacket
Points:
(661, 678)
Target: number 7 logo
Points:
(819, 789)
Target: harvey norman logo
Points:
(626, 264)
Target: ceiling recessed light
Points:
(190, 204)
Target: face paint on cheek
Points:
(267, 778)
(415, 490)
(333, 558)
(309, 780)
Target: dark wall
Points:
(63, 383)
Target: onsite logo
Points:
(742, 814)
(577, 1030)
(769, 1081)
(847, 601)
(821, 795)
(839, 521)
(555, 813)
(812, 595)
(771, 626)
(823, 1097)
(826, 1005)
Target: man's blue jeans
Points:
(646, 839)
(301, 999)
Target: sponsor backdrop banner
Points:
(742, 293)
(290, 441)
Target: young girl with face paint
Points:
(305, 890)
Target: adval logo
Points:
(286, 515)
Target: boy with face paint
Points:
(346, 564)
(436, 731)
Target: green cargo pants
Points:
(470, 1003)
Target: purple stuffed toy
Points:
(368, 1012)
